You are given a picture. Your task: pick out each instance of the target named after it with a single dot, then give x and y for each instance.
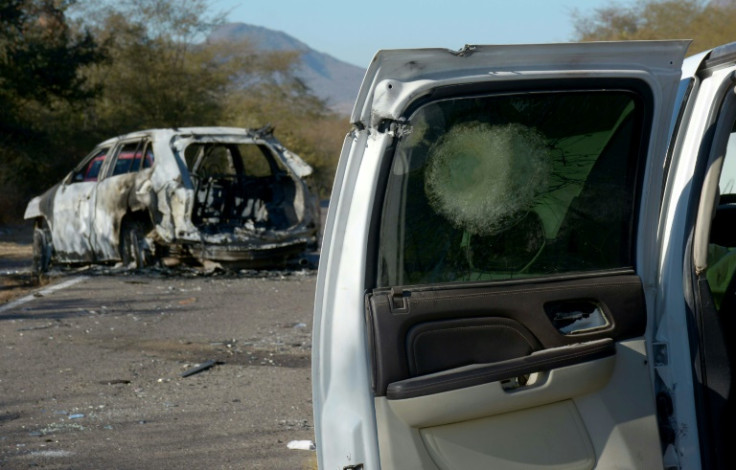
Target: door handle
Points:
(578, 316)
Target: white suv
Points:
(529, 262)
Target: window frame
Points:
(142, 143)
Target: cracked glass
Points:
(509, 186)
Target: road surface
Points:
(91, 374)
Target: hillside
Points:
(329, 78)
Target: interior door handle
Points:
(578, 316)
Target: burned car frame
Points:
(226, 195)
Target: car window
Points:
(91, 170)
(210, 159)
(256, 163)
(128, 159)
(516, 185)
(722, 243)
(727, 182)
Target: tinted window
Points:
(509, 186)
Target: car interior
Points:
(240, 185)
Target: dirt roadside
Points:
(16, 253)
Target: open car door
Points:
(482, 299)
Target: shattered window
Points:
(509, 186)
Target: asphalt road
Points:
(91, 374)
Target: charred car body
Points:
(226, 195)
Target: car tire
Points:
(134, 249)
(42, 250)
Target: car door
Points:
(117, 193)
(486, 275)
(73, 208)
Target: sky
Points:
(353, 31)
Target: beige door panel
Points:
(599, 410)
(492, 399)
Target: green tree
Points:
(41, 59)
(708, 23)
(158, 75)
(60, 94)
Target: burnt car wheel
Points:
(41, 250)
(133, 247)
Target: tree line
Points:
(73, 73)
(709, 23)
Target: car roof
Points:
(167, 133)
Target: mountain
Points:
(329, 78)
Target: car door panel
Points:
(492, 323)
(514, 441)
(520, 372)
(112, 204)
(601, 400)
(441, 345)
(518, 345)
(494, 397)
(462, 365)
(125, 190)
(71, 224)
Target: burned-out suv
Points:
(226, 195)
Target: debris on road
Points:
(115, 382)
(301, 445)
(201, 367)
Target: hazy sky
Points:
(354, 30)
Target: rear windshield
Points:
(514, 185)
(231, 159)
